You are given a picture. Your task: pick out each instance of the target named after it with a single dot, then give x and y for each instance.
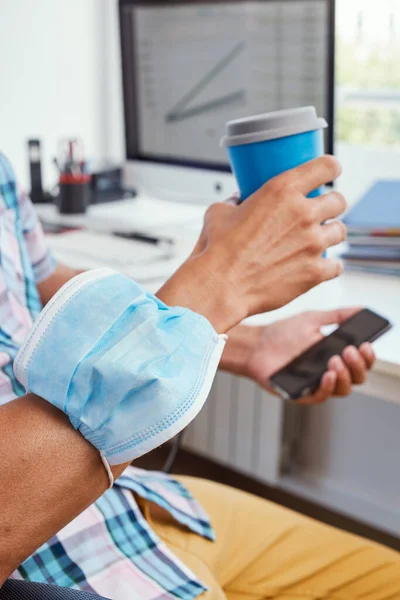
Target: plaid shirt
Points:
(110, 548)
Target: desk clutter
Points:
(80, 182)
(145, 238)
(374, 231)
(74, 179)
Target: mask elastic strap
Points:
(108, 469)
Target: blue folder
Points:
(378, 210)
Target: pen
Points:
(142, 237)
(56, 164)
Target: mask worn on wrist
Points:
(129, 371)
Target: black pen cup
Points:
(75, 194)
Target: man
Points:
(148, 537)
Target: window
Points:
(368, 63)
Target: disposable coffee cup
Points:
(264, 146)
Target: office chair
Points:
(23, 590)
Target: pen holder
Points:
(75, 194)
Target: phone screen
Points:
(304, 374)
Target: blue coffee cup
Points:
(264, 146)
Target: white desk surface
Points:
(183, 221)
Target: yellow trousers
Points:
(264, 551)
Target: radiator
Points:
(245, 428)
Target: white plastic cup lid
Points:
(272, 126)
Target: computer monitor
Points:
(190, 66)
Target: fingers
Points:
(368, 355)
(329, 268)
(326, 390)
(356, 364)
(330, 206)
(352, 368)
(343, 374)
(344, 381)
(311, 175)
(334, 233)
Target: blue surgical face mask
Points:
(129, 371)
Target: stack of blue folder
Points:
(374, 230)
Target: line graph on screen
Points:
(186, 108)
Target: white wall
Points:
(56, 59)
(115, 133)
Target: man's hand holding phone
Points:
(277, 345)
(307, 372)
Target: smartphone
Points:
(303, 376)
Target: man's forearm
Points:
(193, 287)
(49, 475)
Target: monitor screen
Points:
(189, 67)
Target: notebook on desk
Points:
(374, 231)
(378, 211)
(368, 253)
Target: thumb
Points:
(336, 317)
(201, 244)
(215, 212)
(234, 200)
